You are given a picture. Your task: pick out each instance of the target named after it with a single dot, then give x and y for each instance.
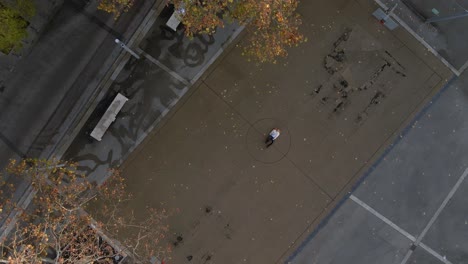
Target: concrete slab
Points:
(421, 256)
(448, 234)
(233, 207)
(139, 82)
(185, 56)
(410, 188)
(353, 235)
(407, 186)
(305, 106)
(288, 91)
(255, 141)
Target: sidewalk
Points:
(339, 100)
(170, 64)
(50, 88)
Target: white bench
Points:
(108, 117)
(173, 22)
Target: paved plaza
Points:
(339, 99)
(410, 207)
(369, 167)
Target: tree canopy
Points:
(115, 7)
(13, 24)
(273, 25)
(56, 227)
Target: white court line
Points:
(420, 39)
(435, 254)
(399, 229)
(437, 213)
(383, 218)
(442, 206)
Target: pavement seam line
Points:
(220, 51)
(366, 174)
(189, 84)
(399, 229)
(437, 213)
(332, 199)
(251, 125)
(398, 131)
(228, 104)
(308, 227)
(163, 67)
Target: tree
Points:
(13, 24)
(273, 25)
(57, 229)
(115, 7)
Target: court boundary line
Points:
(436, 214)
(366, 174)
(401, 231)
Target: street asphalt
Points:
(410, 207)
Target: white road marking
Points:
(401, 231)
(437, 213)
(435, 254)
(383, 218)
(407, 256)
(442, 206)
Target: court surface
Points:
(411, 207)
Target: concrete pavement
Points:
(410, 208)
(443, 38)
(170, 64)
(340, 99)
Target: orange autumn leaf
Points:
(273, 25)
